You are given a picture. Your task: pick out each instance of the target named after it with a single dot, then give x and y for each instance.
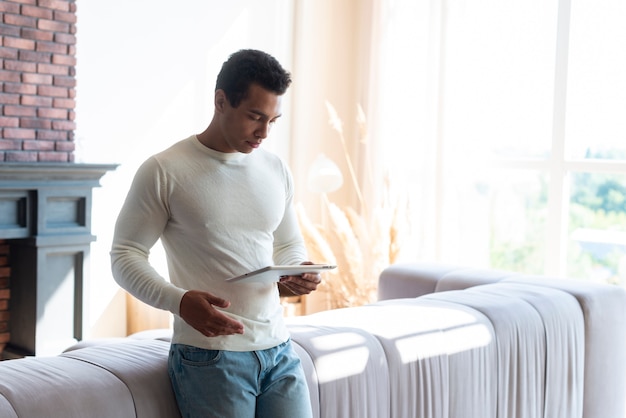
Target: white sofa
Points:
(441, 342)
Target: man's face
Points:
(244, 128)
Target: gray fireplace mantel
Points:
(45, 213)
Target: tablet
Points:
(272, 274)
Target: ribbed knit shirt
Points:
(218, 215)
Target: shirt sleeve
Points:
(289, 245)
(139, 225)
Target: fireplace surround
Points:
(45, 217)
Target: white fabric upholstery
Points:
(50, 387)
(603, 308)
(142, 366)
(350, 369)
(474, 344)
(540, 346)
(604, 311)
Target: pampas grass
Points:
(361, 243)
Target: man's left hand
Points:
(301, 285)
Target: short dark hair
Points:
(249, 66)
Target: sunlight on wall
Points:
(145, 81)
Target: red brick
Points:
(20, 21)
(36, 101)
(52, 91)
(4, 326)
(65, 38)
(5, 272)
(19, 111)
(8, 30)
(8, 53)
(9, 7)
(51, 47)
(52, 26)
(17, 133)
(35, 124)
(4, 338)
(52, 135)
(5, 316)
(6, 144)
(62, 5)
(10, 76)
(63, 125)
(69, 17)
(64, 103)
(19, 88)
(5, 293)
(38, 12)
(65, 146)
(37, 78)
(63, 59)
(52, 113)
(52, 69)
(20, 156)
(39, 145)
(9, 99)
(64, 81)
(8, 122)
(29, 67)
(19, 43)
(36, 35)
(60, 157)
(35, 56)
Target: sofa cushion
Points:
(6, 409)
(540, 344)
(349, 369)
(142, 366)
(410, 280)
(47, 387)
(604, 310)
(434, 351)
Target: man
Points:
(222, 207)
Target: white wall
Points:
(146, 73)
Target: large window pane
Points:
(499, 78)
(597, 227)
(497, 218)
(596, 94)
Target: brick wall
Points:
(5, 273)
(37, 73)
(37, 97)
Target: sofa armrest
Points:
(410, 280)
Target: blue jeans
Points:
(229, 384)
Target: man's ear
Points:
(220, 100)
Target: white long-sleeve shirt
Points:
(218, 215)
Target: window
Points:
(530, 136)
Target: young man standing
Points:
(222, 206)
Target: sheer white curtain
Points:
(404, 108)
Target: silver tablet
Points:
(272, 274)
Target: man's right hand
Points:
(196, 308)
